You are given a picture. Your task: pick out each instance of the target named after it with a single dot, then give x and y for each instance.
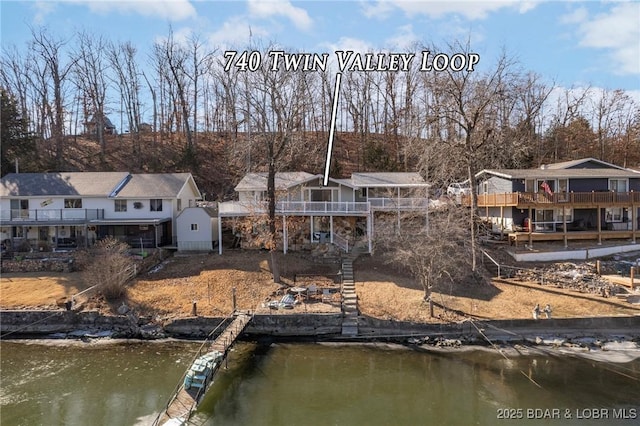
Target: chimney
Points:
(17, 166)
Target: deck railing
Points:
(398, 203)
(560, 198)
(50, 215)
(293, 207)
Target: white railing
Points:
(292, 207)
(47, 215)
(398, 203)
(341, 242)
(321, 207)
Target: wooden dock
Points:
(185, 401)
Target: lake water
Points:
(313, 384)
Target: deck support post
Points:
(564, 227)
(502, 222)
(285, 236)
(220, 235)
(530, 228)
(634, 219)
(370, 230)
(331, 229)
(599, 226)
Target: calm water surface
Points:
(311, 384)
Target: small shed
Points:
(197, 229)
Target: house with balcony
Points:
(343, 212)
(580, 199)
(53, 211)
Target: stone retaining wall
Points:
(303, 325)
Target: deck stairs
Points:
(349, 297)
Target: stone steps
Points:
(349, 297)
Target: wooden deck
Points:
(184, 402)
(579, 200)
(517, 237)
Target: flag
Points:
(545, 186)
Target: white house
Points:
(342, 212)
(47, 211)
(197, 229)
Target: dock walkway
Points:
(185, 401)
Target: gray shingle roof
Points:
(574, 163)
(561, 173)
(93, 184)
(99, 184)
(283, 180)
(387, 179)
(158, 185)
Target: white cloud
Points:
(470, 9)
(618, 32)
(267, 8)
(404, 39)
(236, 32)
(42, 8)
(380, 9)
(577, 16)
(174, 10)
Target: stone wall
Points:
(87, 323)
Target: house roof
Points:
(387, 179)
(95, 184)
(283, 180)
(155, 185)
(582, 162)
(60, 184)
(560, 173)
(578, 169)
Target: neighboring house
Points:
(558, 200)
(197, 229)
(74, 209)
(91, 126)
(308, 212)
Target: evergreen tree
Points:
(15, 140)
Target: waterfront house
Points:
(343, 212)
(53, 211)
(580, 199)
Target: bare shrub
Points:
(109, 267)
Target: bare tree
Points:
(436, 254)
(91, 78)
(468, 101)
(49, 49)
(275, 114)
(122, 58)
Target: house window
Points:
(73, 203)
(530, 185)
(156, 205)
(194, 226)
(618, 185)
(20, 208)
(568, 215)
(363, 192)
(613, 214)
(120, 205)
(179, 204)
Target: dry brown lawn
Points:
(383, 292)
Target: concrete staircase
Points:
(349, 297)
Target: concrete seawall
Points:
(90, 323)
